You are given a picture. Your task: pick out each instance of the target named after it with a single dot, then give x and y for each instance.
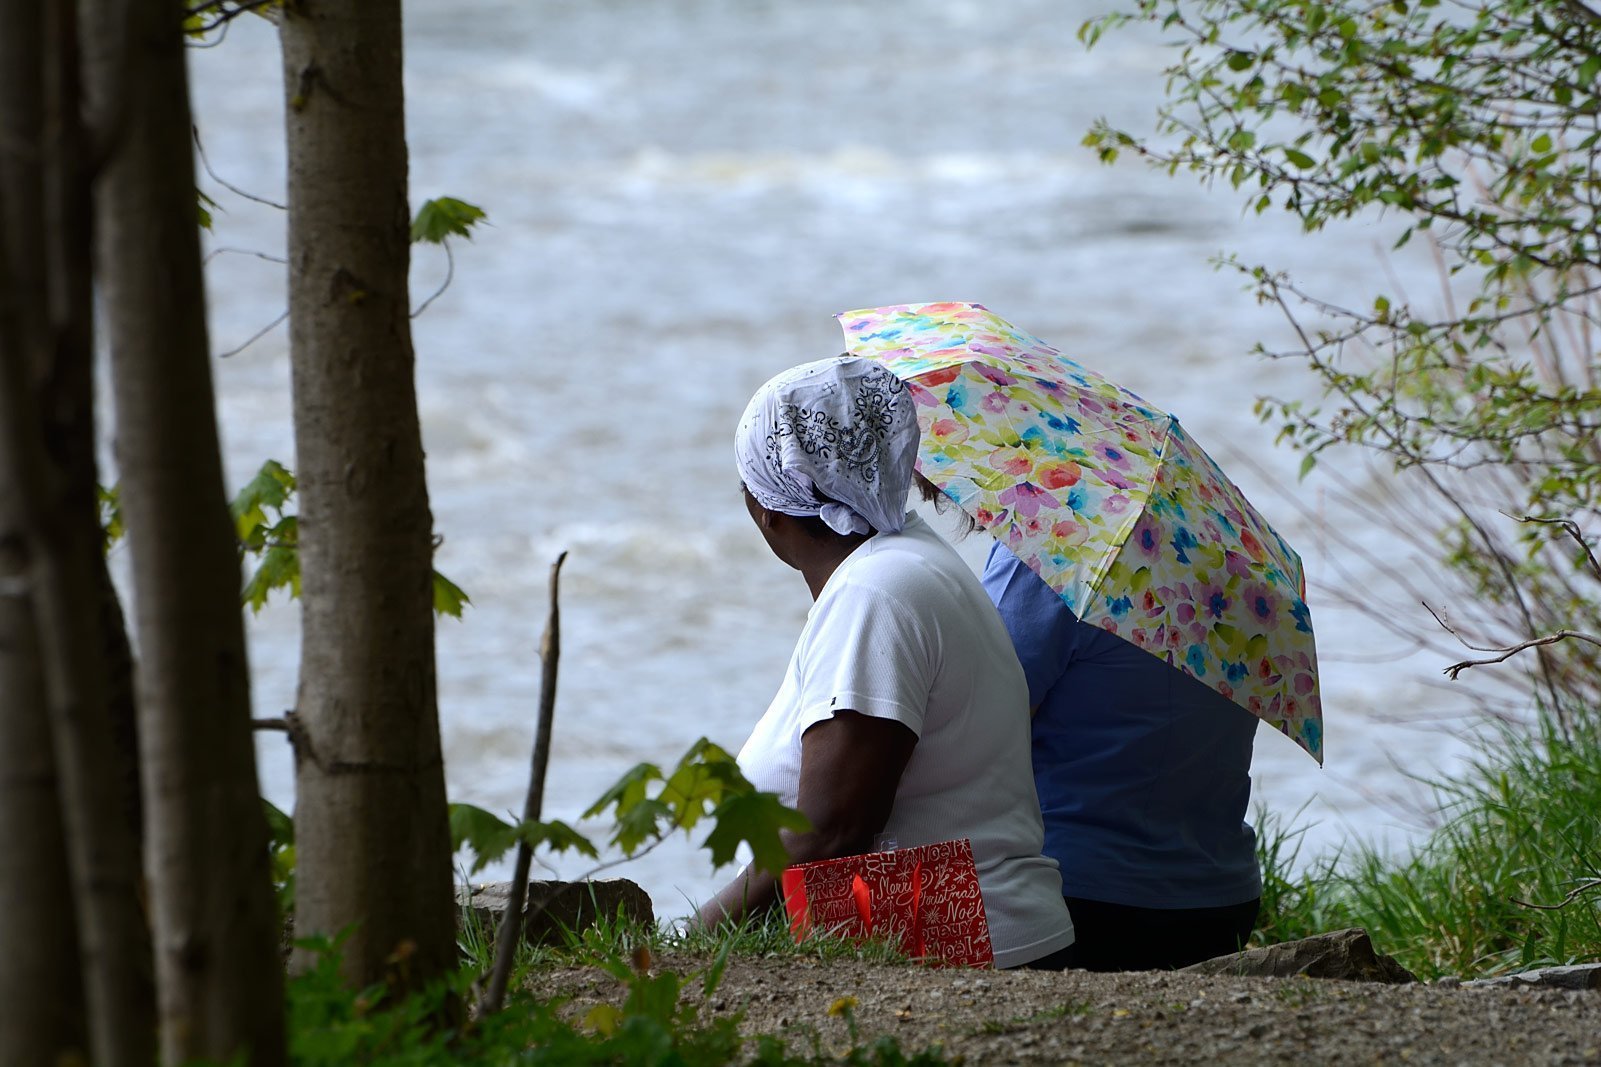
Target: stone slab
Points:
(1344, 954)
(556, 908)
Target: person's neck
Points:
(823, 558)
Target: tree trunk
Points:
(39, 977)
(43, 1021)
(371, 835)
(73, 832)
(219, 976)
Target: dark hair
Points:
(933, 494)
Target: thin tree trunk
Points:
(43, 1020)
(219, 979)
(47, 456)
(371, 834)
(67, 396)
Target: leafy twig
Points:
(223, 13)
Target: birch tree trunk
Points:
(219, 976)
(43, 1020)
(371, 834)
(53, 541)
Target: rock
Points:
(1578, 976)
(567, 906)
(1346, 954)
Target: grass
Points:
(1522, 826)
(661, 1019)
(617, 936)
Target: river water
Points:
(680, 196)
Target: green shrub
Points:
(1522, 827)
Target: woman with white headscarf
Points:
(904, 711)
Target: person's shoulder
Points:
(914, 555)
(892, 567)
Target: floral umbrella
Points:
(1109, 501)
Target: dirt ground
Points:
(991, 1017)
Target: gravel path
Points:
(990, 1017)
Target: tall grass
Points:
(1522, 826)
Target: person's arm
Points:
(851, 765)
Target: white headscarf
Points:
(844, 428)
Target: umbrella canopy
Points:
(1109, 501)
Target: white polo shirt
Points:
(903, 630)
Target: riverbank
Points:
(988, 1017)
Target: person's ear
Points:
(766, 520)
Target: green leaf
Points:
(703, 777)
(448, 597)
(487, 835)
(638, 823)
(280, 827)
(556, 836)
(1240, 60)
(1589, 69)
(1299, 158)
(203, 207)
(270, 488)
(279, 568)
(628, 790)
(445, 217)
(1308, 461)
(756, 819)
(110, 501)
(653, 997)
(490, 837)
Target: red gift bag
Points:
(927, 898)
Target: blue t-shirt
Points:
(1143, 772)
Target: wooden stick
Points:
(511, 927)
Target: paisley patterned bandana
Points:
(836, 439)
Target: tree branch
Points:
(258, 335)
(510, 934)
(450, 273)
(1583, 12)
(225, 12)
(200, 150)
(1573, 894)
(1573, 531)
(215, 252)
(1505, 652)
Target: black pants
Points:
(1116, 937)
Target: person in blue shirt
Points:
(1143, 775)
